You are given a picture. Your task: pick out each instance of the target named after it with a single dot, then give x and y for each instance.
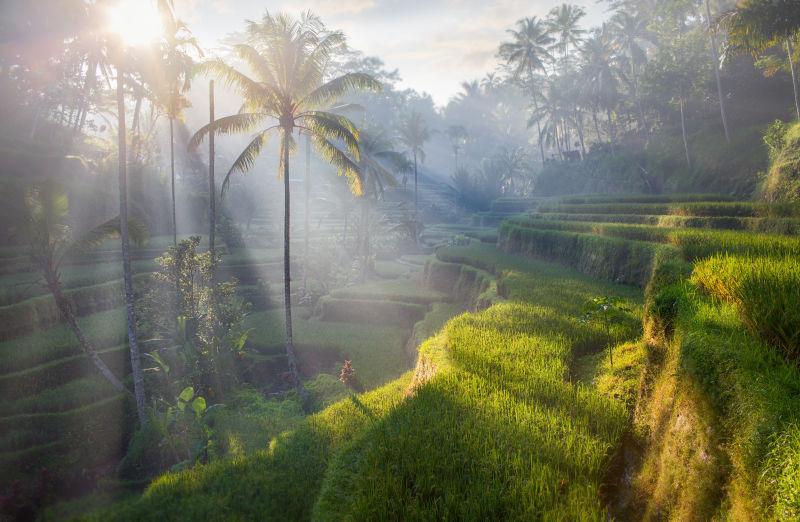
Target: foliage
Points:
(605, 310)
(783, 177)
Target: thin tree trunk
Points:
(65, 307)
(364, 236)
(287, 270)
(683, 131)
(172, 179)
(536, 109)
(136, 365)
(307, 217)
(596, 124)
(611, 131)
(91, 76)
(579, 127)
(415, 184)
(212, 185)
(790, 50)
(715, 64)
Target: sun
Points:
(136, 21)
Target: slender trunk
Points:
(65, 307)
(579, 126)
(136, 365)
(611, 131)
(790, 50)
(364, 236)
(536, 110)
(415, 184)
(683, 131)
(307, 217)
(172, 179)
(212, 185)
(596, 124)
(715, 64)
(137, 110)
(287, 270)
(91, 76)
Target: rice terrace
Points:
(375, 260)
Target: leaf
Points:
(199, 406)
(186, 395)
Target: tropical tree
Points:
(527, 53)
(629, 33)
(377, 167)
(414, 133)
(598, 64)
(457, 134)
(282, 97)
(563, 22)
(52, 243)
(755, 26)
(176, 67)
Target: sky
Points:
(435, 44)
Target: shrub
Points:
(783, 178)
(764, 291)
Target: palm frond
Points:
(137, 231)
(247, 158)
(236, 123)
(333, 127)
(344, 165)
(250, 89)
(326, 94)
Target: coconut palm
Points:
(563, 23)
(377, 167)
(176, 66)
(599, 68)
(527, 53)
(629, 33)
(283, 97)
(414, 133)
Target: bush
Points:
(764, 291)
(783, 177)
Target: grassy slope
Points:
(491, 393)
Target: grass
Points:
(104, 329)
(71, 395)
(396, 290)
(764, 291)
(489, 425)
(376, 351)
(696, 208)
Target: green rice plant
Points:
(396, 290)
(764, 291)
(645, 198)
(699, 209)
(69, 396)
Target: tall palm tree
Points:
(629, 33)
(599, 68)
(283, 97)
(176, 67)
(457, 134)
(377, 167)
(528, 53)
(127, 274)
(563, 23)
(414, 133)
(715, 64)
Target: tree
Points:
(629, 32)
(414, 133)
(127, 273)
(177, 68)
(52, 243)
(526, 54)
(457, 135)
(757, 25)
(598, 65)
(282, 97)
(563, 23)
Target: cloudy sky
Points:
(435, 44)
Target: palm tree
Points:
(457, 134)
(52, 243)
(127, 274)
(758, 25)
(176, 66)
(628, 33)
(377, 165)
(715, 64)
(598, 66)
(563, 23)
(527, 53)
(282, 97)
(414, 133)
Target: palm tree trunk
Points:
(307, 217)
(65, 308)
(364, 237)
(790, 50)
(715, 64)
(611, 131)
(287, 270)
(136, 365)
(579, 127)
(212, 185)
(596, 124)
(172, 179)
(683, 131)
(415, 184)
(91, 76)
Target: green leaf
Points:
(199, 406)
(186, 395)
